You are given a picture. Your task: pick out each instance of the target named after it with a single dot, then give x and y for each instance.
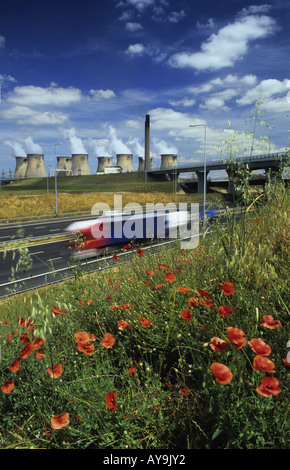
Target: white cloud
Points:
(266, 89)
(2, 41)
(176, 16)
(102, 94)
(25, 115)
(133, 27)
(230, 44)
(210, 24)
(186, 102)
(38, 96)
(217, 100)
(136, 49)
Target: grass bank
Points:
(174, 350)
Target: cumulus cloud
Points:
(133, 27)
(25, 115)
(102, 94)
(230, 44)
(136, 49)
(38, 96)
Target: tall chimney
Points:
(147, 142)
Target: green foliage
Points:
(167, 396)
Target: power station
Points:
(32, 166)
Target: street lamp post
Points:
(204, 173)
(55, 183)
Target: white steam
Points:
(76, 144)
(161, 147)
(17, 149)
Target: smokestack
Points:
(80, 165)
(104, 162)
(64, 163)
(35, 166)
(125, 161)
(147, 142)
(21, 166)
(168, 161)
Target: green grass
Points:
(171, 400)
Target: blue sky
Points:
(81, 76)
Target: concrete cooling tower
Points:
(168, 161)
(104, 162)
(35, 166)
(80, 165)
(21, 166)
(64, 163)
(141, 166)
(125, 161)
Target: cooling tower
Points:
(64, 163)
(35, 166)
(21, 166)
(125, 161)
(141, 166)
(104, 162)
(147, 142)
(80, 165)
(168, 161)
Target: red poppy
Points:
(236, 337)
(24, 338)
(186, 314)
(169, 277)
(57, 311)
(144, 322)
(218, 345)
(192, 302)
(25, 323)
(7, 386)
(59, 421)
(224, 311)
(39, 354)
(14, 367)
(184, 392)
(115, 256)
(182, 289)
(147, 283)
(264, 364)
(126, 306)
(55, 371)
(269, 322)
(38, 342)
(123, 324)
(82, 337)
(131, 370)
(89, 302)
(110, 298)
(150, 273)
(228, 288)
(202, 293)
(111, 400)
(259, 347)
(207, 302)
(268, 386)
(158, 286)
(86, 348)
(164, 266)
(115, 307)
(127, 247)
(24, 353)
(222, 373)
(108, 340)
(139, 252)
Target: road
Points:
(37, 228)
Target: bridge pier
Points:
(200, 182)
(234, 180)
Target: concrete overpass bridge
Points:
(270, 163)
